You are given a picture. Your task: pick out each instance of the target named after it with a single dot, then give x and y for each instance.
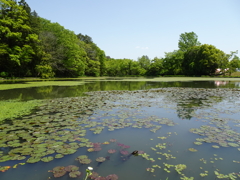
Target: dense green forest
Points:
(31, 46)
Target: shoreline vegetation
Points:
(34, 82)
(41, 48)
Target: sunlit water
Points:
(179, 139)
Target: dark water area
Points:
(49, 92)
(165, 122)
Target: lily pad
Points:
(97, 149)
(5, 158)
(126, 146)
(112, 140)
(57, 156)
(85, 161)
(198, 143)
(192, 150)
(47, 159)
(111, 151)
(33, 159)
(59, 171)
(100, 159)
(71, 168)
(4, 168)
(94, 175)
(74, 174)
(100, 178)
(106, 142)
(124, 152)
(82, 157)
(233, 144)
(90, 149)
(112, 177)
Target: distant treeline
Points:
(31, 46)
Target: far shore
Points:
(107, 78)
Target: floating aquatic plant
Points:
(167, 167)
(47, 159)
(168, 156)
(100, 159)
(233, 144)
(16, 165)
(82, 157)
(93, 175)
(4, 168)
(192, 150)
(204, 174)
(112, 140)
(120, 144)
(203, 160)
(90, 149)
(50, 131)
(85, 161)
(161, 146)
(150, 170)
(112, 177)
(186, 178)
(111, 151)
(123, 152)
(162, 138)
(59, 171)
(59, 156)
(140, 152)
(74, 174)
(126, 146)
(180, 167)
(198, 143)
(145, 155)
(33, 159)
(156, 166)
(71, 168)
(100, 178)
(106, 142)
(97, 149)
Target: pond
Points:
(126, 130)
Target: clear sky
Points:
(132, 28)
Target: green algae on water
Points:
(13, 109)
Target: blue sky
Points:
(132, 28)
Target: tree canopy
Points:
(188, 40)
(34, 46)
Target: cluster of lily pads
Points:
(74, 172)
(54, 130)
(83, 159)
(96, 176)
(59, 127)
(223, 136)
(60, 171)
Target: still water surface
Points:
(222, 113)
(48, 92)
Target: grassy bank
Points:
(38, 84)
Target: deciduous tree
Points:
(188, 40)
